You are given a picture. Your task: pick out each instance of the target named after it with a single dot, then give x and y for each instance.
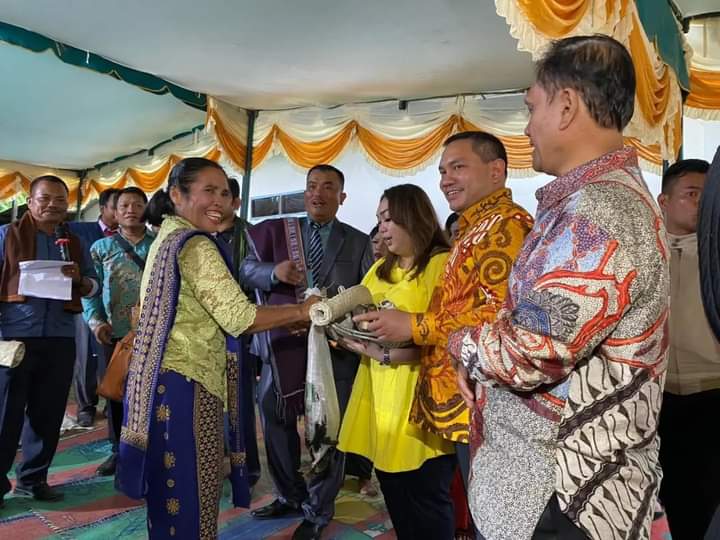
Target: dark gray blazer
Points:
(348, 256)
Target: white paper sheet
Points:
(44, 279)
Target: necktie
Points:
(315, 253)
(109, 232)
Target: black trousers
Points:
(359, 466)
(419, 501)
(690, 458)
(34, 394)
(282, 444)
(554, 525)
(115, 408)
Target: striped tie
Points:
(315, 253)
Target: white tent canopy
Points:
(279, 54)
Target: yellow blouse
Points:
(376, 423)
(210, 304)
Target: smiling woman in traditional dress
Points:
(414, 467)
(172, 436)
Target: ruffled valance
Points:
(534, 23)
(703, 102)
(150, 173)
(15, 181)
(397, 142)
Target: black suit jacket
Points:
(347, 257)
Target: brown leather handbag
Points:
(112, 385)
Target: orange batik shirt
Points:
(471, 292)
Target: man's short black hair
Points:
(234, 188)
(47, 178)
(107, 196)
(450, 221)
(131, 190)
(329, 168)
(600, 69)
(485, 145)
(679, 169)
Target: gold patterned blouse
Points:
(210, 304)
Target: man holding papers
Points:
(37, 389)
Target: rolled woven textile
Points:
(11, 353)
(327, 311)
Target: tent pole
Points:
(245, 193)
(78, 208)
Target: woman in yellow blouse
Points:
(414, 467)
(179, 376)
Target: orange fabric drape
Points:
(518, 147)
(7, 183)
(554, 18)
(653, 94)
(262, 149)
(651, 154)
(405, 154)
(704, 90)
(400, 154)
(73, 197)
(151, 181)
(235, 149)
(309, 154)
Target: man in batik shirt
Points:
(473, 171)
(572, 370)
(119, 261)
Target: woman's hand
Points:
(366, 348)
(306, 305)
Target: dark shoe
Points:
(85, 419)
(308, 530)
(40, 492)
(275, 509)
(107, 467)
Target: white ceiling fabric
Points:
(278, 54)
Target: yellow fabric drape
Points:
(148, 181)
(704, 94)
(404, 154)
(658, 98)
(235, 149)
(651, 154)
(394, 154)
(518, 147)
(8, 183)
(554, 18)
(262, 149)
(308, 154)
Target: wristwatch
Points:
(386, 357)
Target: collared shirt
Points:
(471, 291)
(572, 370)
(39, 317)
(104, 228)
(324, 230)
(120, 279)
